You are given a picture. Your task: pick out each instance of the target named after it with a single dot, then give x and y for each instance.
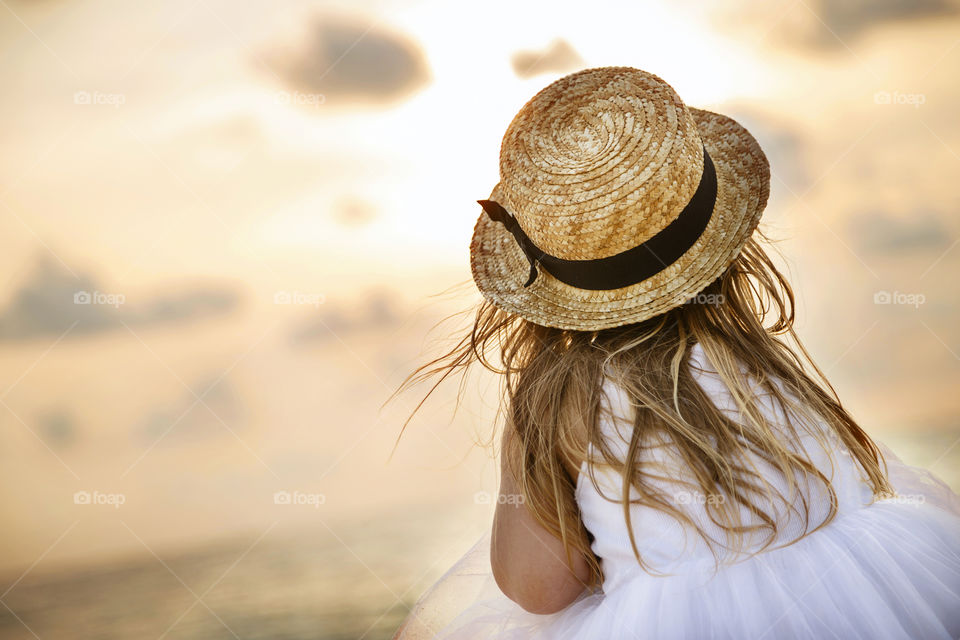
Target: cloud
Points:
(184, 419)
(378, 311)
(825, 24)
(849, 18)
(557, 57)
(782, 143)
(345, 59)
(53, 299)
(880, 232)
(57, 427)
(354, 211)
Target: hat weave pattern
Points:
(597, 163)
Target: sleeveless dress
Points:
(884, 569)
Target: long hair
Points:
(552, 382)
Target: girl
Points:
(671, 466)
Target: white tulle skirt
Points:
(889, 570)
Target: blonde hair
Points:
(553, 378)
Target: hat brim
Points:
(500, 268)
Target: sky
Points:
(263, 200)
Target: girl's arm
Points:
(528, 562)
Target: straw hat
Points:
(616, 202)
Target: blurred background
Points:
(223, 227)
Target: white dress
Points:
(880, 570)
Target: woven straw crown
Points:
(597, 163)
(593, 178)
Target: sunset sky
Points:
(201, 160)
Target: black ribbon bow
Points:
(498, 214)
(628, 267)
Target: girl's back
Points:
(668, 546)
(878, 569)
